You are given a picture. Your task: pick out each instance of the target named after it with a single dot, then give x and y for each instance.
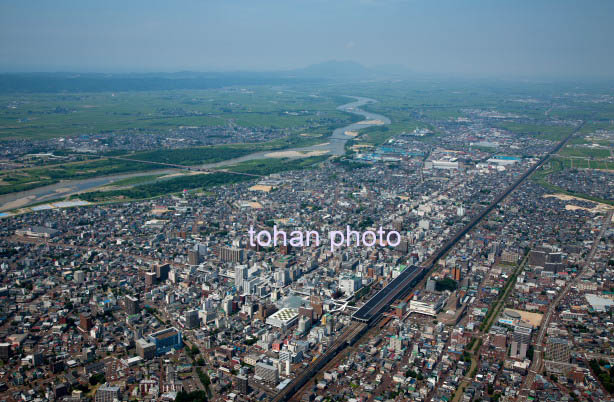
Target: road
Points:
(354, 331)
(314, 368)
(428, 264)
(509, 285)
(537, 363)
(448, 245)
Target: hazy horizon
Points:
(545, 38)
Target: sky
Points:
(465, 37)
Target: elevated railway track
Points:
(371, 312)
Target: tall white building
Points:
(241, 275)
(227, 305)
(267, 373)
(350, 284)
(79, 276)
(173, 276)
(107, 393)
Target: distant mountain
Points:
(350, 71)
(74, 82)
(99, 82)
(335, 69)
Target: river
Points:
(334, 146)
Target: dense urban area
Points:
(146, 286)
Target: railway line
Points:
(369, 314)
(348, 337)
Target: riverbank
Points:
(333, 145)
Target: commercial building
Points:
(85, 322)
(166, 340)
(241, 275)
(242, 384)
(522, 333)
(267, 373)
(150, 279)
(558, 350)
(162, 271)
(79, 276)
(350, 284)
(132, 305)
(193, 257)
(284, 318)
(145, 349)
(428, 303)
(38, 232)
(521, 338)
(5, 351)
(445, 164)
(192, 320)
(231, 254)
(107, 393)
(502, 160)
(396, 343)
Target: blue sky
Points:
(467, 37)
